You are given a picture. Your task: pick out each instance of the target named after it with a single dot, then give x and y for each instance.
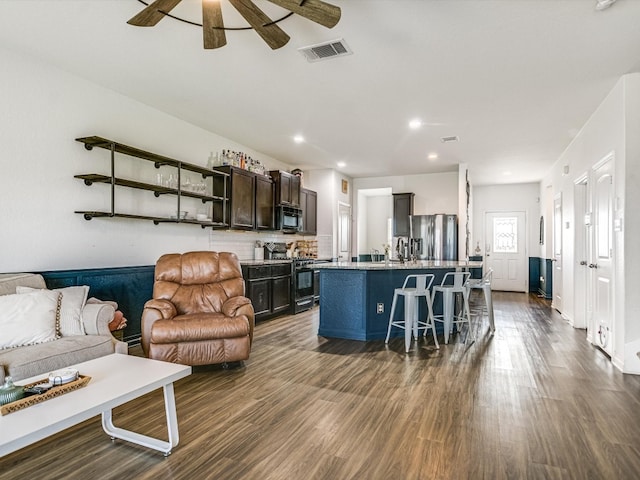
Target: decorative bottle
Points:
(10, 392)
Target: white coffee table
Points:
(115, 379)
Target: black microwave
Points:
(289, 219)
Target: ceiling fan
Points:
(213, 27)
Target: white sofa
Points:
(30, 360)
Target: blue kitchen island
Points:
(350, 294)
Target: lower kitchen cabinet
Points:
(269, 288)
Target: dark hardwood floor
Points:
(532, 401)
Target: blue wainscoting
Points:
(130, 287)
(541, 276)
(534, 274)
(546, 278)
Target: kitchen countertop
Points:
(395, 265)
(264, 262)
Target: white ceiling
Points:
(514, 80)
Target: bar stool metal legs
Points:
(452, 284)
(411, 322)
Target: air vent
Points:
(326, 50)
(449, 139)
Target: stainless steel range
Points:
(303, 280)
(303, 284)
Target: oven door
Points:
(304, 283)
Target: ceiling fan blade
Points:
(212, 25)
(272, 34)
(151, 15)
(315, 10)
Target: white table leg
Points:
(144, 440)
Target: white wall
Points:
(43, 111)
(328, 184)
(379, 211)
(612, 128)
(522, 197)
(434, 193)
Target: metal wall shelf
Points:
(158, 160)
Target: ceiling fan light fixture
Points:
(317, 11)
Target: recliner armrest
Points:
(154, 309)
(236, 306)
(232, 304)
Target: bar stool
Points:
(453, 283)
(484, 283)
(410, 322)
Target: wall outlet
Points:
(380, 308)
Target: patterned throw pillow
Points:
(73, 300)
(29, 318)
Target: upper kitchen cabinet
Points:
(265, 210)
(240, 188)
(402, 208)
(251, 199)
(309, 206)
(287, 188)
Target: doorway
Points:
(556, 301)
(344, 232)
(505, 250)
(601, 260)
(582, 248)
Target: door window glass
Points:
(505, 235)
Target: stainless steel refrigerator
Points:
(433, 237)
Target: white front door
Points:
(601, 261)
(505, 250)
(344, 232)
(556, 283)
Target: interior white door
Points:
(505, 250)
(344, 232)
(556, 301)
(582, 221)
(601, 261)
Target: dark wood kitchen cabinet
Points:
(287, 188)
(402, 208)
(265, 209)
(240, 187)
(309, 206)
(269, 288)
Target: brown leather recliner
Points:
(199, 314)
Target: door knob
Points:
(593, 265)
(583, 262)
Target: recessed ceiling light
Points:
(432, 156)
(415, 124)
(298, 139)
(341, 164)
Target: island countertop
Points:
(356, 297)
(396, 265)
